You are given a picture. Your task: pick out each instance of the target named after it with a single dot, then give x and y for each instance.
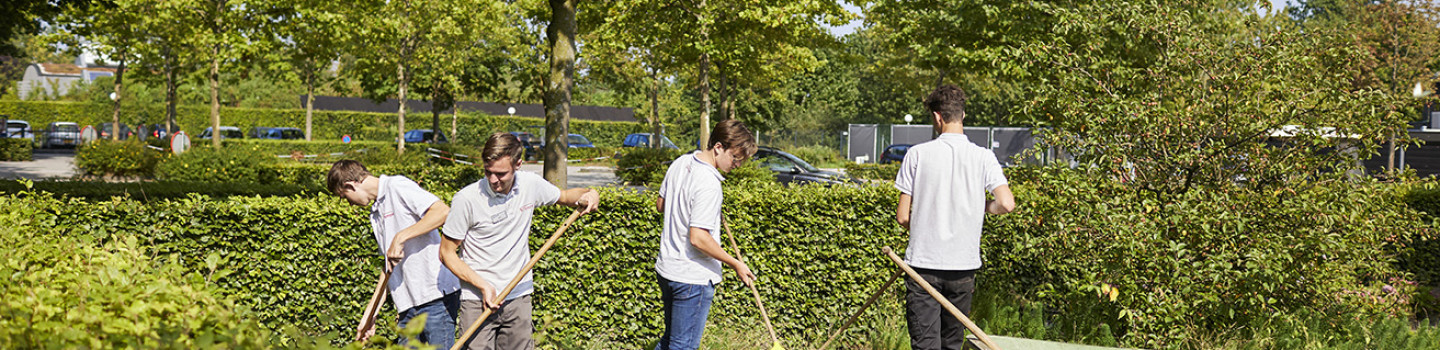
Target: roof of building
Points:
(69, 69)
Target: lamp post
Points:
(908, 118)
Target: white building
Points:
(56, 79)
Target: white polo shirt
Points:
(947, 179)
(496, 230)
(420, 277)
(692, 199)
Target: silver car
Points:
(61, 134)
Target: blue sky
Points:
(1275, 6)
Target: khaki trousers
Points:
(509, 328)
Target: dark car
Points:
(530, 142)
(643, 140)
(61, 134)
(579, 141)
(423, 135)
(277, 133)
(105, 129)
(894, 154)
(790, 169)
(154, 131)
(226, 132)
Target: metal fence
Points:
(1010, 144)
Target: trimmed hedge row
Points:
(329, 125)
(1185, 267)
(872, 171)
(16, 150)
(147, 191)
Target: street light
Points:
(908, 118)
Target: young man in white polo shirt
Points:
(404, 218)
(942, 187)
(490, 224)
(690, 252)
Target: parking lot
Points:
(48, 164)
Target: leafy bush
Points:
(16, 150)
(287, 147)
(590, 153)
(872, 171)
(148, 190)
(644, 166)
(118, 158)
(227, 165)
(746, 174)
(819, 156)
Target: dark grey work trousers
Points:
(931, 327)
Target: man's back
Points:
(947, 179)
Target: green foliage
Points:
(644, 166)
(152, 190)
(819, 156)
(590, 153)
(16, 150)
(118, 158)
(885, 172)
(287, 147)
(227, 165)
(747, 174)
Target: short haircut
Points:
(733, 134)
(345, 171)
(949, 101)
(501, 145)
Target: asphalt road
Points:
(48, 164)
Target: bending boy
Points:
(491, 225)
(404, 218)
(942, 187)
(690, 254)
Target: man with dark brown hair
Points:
(491, 221)
(690, 254)
(942, 187)
(404, 218)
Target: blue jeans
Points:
(440, 322)
(686, 307)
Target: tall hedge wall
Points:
(1186, 267)
(329, 125)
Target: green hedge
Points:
(644, 166)
(1225, 262)
(16, 150)
(872, 171)
(328, 125)
(147, 191)
(118, 158)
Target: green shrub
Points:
(16, 150)
(574, 154)
(227, 165)
(644, 166)
(118, 158)
(287, 147)
(747, 174)
(872, 171)
(156, 190)
(819, 156)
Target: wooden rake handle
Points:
(459, 343)
(943, 302)
(851, 321)
(368, 317)
(753, 291)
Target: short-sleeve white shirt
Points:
(420, 277)
(495, 229)
(947, 179)
(691, 190)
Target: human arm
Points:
(660, 204)
(580, 198)
(701, 240)
(902, 211)
(434, 217)
(452, 261)
(1003, 203)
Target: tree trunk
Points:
(309, 102)
(215, 133)
(434, 120)
(400, 123)
(454, 121)
(704, 81)
(115, 114)
(561, 33)
(724, 92)
(655, 132)
(171, 97)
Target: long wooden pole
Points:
(851, 321)
(940, 298)
(753, 291)
(368, 317)
(459, 343)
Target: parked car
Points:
(106, 128)
(261, 132)
(790, 169)
(423, 136)
(155, 131)
(61, 134)
(226, 132)
(894, 154)
(530, 142)
(579, 141)
(18, 129)
(643, 140)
